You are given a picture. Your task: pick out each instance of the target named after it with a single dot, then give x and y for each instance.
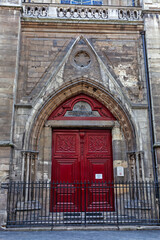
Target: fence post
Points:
(85, 189)
(116, 184)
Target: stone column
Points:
(119, 154)
(136, 166)
(47, 153)
(29, 163)
(132, 166)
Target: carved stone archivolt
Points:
(91, 89)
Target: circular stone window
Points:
(82, 59)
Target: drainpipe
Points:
(154, 157)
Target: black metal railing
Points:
(87, 203)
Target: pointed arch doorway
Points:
(82, 163)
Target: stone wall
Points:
(9, 42)
(47, 65)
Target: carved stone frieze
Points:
(81, 12)
(127, 14)
(35, 11)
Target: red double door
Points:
(82, 156)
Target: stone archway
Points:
(37, 125)
(91, 89)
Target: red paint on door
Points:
(82, 155)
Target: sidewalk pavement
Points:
(80, 235)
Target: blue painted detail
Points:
(65, 1)
(76, 2)
(97, 2)
(82, 2)
(133, 3)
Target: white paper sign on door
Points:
(98, 176)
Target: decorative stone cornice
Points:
(72, 12)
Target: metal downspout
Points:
(154, 157)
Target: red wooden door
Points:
(65, 170)
(86, 156)
(99, 170)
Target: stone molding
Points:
(52, 11)
(10, 2)
(80, 123)
(6, 144)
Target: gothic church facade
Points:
(79, 84)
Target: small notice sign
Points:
(120, 171)
(98, 176)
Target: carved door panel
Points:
(99, 170)
(82, 155)
(65, 169)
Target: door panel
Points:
(65, 169)
(99, 167)
(65, 163)
(82, 155)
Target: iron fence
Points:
(82, 203)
